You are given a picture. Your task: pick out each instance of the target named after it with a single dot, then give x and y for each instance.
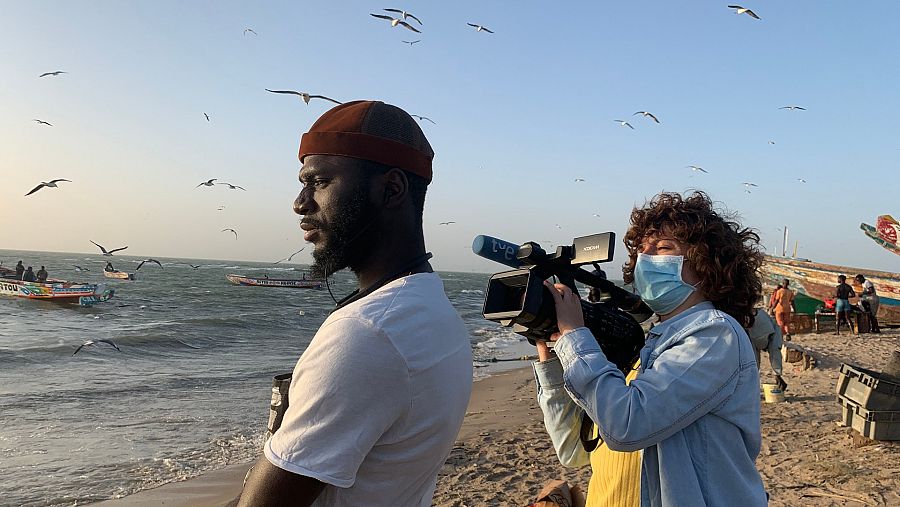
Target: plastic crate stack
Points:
(870, 404)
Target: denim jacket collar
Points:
(660, 329)
(673, 329)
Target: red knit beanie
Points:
(371, 130)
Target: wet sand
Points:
(503, 456)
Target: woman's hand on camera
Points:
(545, 353)
(568, 307)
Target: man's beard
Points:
(351, 219)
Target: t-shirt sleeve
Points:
(349, 387)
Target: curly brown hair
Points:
(725, 255)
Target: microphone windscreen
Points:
(497, 250)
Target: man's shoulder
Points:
(413, 296)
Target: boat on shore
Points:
(885, 232)
(59, 291)
(293, 283)
(118, 275)
(818, 281)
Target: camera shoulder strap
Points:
(359, 294)
(585, 433)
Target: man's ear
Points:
(395, 187)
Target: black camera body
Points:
(519, 299)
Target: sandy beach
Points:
(503, 457)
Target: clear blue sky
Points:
(520, 114)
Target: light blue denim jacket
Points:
(562, 417)
(693, 408)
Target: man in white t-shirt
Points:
(870, 296)
(378, 397)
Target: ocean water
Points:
(190, 390)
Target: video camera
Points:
(519, 299)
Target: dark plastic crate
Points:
(874, 424)
(867, 389)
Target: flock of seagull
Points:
(397, 17)
(696, 168)
(402, 16)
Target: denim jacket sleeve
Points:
(562, 417)
(690, 374)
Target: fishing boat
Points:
(61, 291)
(885, 232)
(293, 283)
(818, 281)
(119, 275)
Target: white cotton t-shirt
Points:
(868, 285)
(377, 399)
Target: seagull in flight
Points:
(54, 73)
(220, 208)
(94, 342)
(232, 230)
(479, 28)
(395, 22)
(646, 114)
(108, 252)
(207, 183)
(147, 260)
(405, 15)
(232, 187)
(696, 168)
(411, 42)
(50, 184)
(42, 122)
(578, 180)
(624, 124)
(207, 116)
(801, 180)
(303, 95)
(288, 259)
(250, 30)
(447, 223)
(743, 10)
(747, 186)
(79, 268)
(420, 118)
(771, 142)
(792, 108)
(195, 267)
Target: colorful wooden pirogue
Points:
(60, 291)
(818, 281)
(293, 283)
(884, 233)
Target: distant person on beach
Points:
(28, 276)
(109, 267)
(378, 397)
(765, 335)
(842, 294)
(869, 298)
(693, 407)
(783, 304)
(20, 270)
(42, 274)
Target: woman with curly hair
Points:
(693, 407)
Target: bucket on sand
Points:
(772, 393)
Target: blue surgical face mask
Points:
(657, 279)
